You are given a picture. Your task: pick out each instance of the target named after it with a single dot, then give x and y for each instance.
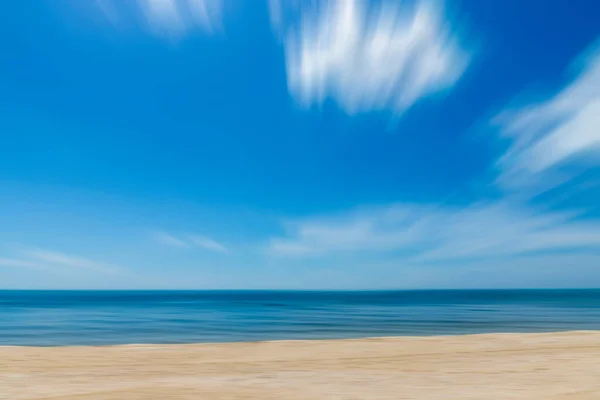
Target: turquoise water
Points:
(48, 318)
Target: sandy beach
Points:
(496, 366)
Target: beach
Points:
(488, 366)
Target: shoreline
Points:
(361, 338)
(556, 366)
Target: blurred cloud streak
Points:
(208, 244)
(367, 56)
(201, 241)
(66, 260)
(18, 263)
(168, 18)
(561, 131)
(169, 240)
(431, 234)
(52, 261)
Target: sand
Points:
(497, 366)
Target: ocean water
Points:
(49, 318)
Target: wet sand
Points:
(549, 366)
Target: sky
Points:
(287, 144)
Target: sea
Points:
(56, 318)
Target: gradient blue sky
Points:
(208, 144)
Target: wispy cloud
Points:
(170, 18)
(427, 234)
(201, 241)
(561, 131)
(19, 263)
(67, 260)
(169, 240)
(367, 57)
(176, 17)
(377, 229)
(51, 261)
(208, 244)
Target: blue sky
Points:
(209, 144)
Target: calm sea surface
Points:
(48, 318)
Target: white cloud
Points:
(208, 244)
(51, 261)
(176, 17)
(169, 240)
(171, 18)
(385, 228)
(203, 242)
(66, 260)
(163, 14)
(18, 263)
(562, 131)
(428, 234)
(366, 57)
